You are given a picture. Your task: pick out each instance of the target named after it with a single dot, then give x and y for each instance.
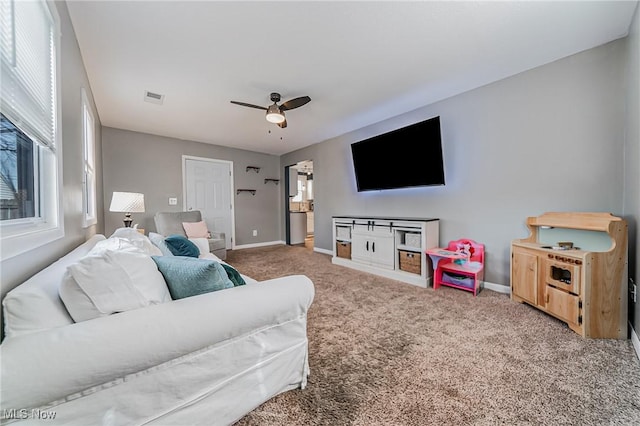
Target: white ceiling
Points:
(360, 62)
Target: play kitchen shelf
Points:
(584, 285)
(390, 247)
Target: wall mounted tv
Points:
(406, 157)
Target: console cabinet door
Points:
(524, 276)
(360, 247)
(382, 251)
(373, 248)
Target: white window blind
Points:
(28, 74)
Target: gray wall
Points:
(550, 139)
(152, 165)
(17, 269)
(632, 159)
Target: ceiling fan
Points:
(275, 112)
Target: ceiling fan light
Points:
(274, 115)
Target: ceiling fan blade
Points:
(283, 124)
(294, 103)
(248, 105)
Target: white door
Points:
(208, 188)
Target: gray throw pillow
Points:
(188, 276)
(158, 241)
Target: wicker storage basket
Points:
(343, 249)
(410, 261)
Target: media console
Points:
(390, 247)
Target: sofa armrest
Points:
(217, 235)
(42, 367)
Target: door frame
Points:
(287, 210)
(231, 186)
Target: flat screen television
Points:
(406, 157)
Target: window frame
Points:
(89, 185)
(23, 235)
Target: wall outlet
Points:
(173, 201)
(255, 232)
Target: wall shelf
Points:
(252, 191)
(254, 168)
(276, 181)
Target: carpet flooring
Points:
(382, 352)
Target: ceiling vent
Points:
(154, 98)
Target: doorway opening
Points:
(300, 204)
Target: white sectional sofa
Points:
(206, 359)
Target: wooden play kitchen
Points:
(573, 266)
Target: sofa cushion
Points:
(158, 241)
(187, 276)
(181, 246)
(196, 229)
(111, 282)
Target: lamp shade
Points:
(127, 202)
(274, 115)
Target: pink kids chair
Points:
(465, 274)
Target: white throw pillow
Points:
(202, 244)
(111, 282)
(137, 239)
(115, 244)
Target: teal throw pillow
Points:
(180, 245)
(233, 275)
(187, 276)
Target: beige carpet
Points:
(383, 352)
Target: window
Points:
(18, 176)
(89, 179)
(30, 143)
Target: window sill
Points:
(29, 238)
(89, 222)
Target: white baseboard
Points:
(323, 251)
(635, 341)
(265, 244)
(498, 288)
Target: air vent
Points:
(154, 98)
